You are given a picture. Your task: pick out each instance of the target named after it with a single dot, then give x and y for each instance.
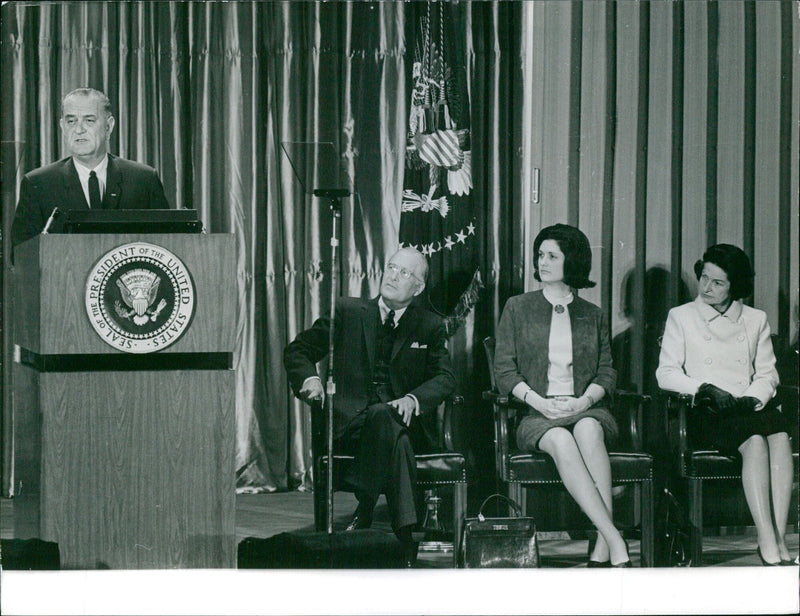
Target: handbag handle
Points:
(510, 502)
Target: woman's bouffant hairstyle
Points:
(736, 265)
(577, 254)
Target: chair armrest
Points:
(495, 398)
(634, 403)
(509, 402)
(505, 408)
(676, 405)
(633, 396)
(453, 407)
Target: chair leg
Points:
(320, 500)
(516, 492)
(647, 507)
(320, 511)
(459, 514)
(696, 520)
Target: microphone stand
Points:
(330, 386)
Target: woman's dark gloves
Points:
(720, 401)
(747, 404)
(715, 398)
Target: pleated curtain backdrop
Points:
(657, 127)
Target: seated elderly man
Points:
(392, 370)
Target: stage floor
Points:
(267, 514)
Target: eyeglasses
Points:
(401, 271)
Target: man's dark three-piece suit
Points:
(417, 363)
(129, 185)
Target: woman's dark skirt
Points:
(726, 433)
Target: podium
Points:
(124, 398)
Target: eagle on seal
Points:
(139, 289)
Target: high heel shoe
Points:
(606, 564)
(765, 562)
(625, 563)
(595, 564)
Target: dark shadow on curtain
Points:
(638, 375)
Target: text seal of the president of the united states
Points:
(140, 297)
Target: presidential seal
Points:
(139, 298)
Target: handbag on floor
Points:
(500, 542)
(675, 550)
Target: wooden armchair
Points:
(700, 465)
(521, 471)
(445, 469)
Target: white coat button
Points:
(740, 338)
(707, 360)
(707, 337)
(741, 361)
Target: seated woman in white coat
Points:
(719, 350)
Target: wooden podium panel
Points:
(136, 468)
(126, 460)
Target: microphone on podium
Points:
(50, 221)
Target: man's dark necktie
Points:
(381, 381)
(94, 191)
(388, 324)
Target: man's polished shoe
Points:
(598, 564)
(361, 519)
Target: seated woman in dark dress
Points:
(719, 350)
(553, 353)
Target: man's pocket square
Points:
(417, 345)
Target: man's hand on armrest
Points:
(406, 407)
(311, 390)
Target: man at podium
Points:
(89, 177)
(392, 370)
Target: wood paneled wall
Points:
(661, 128)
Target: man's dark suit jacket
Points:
(420, 362)
(129, 185)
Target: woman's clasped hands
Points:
(559, 406)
